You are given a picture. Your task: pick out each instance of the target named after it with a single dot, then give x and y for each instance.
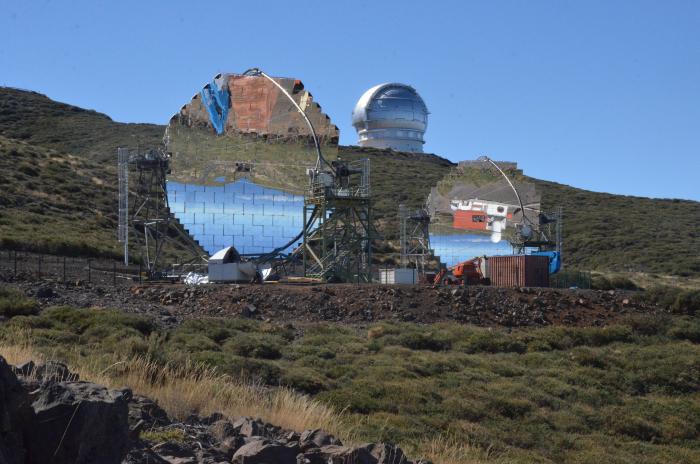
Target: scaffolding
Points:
(144, 212)
(123, 215)
(415, 237)
(338, 223)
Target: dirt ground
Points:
(347, 303)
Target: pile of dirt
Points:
(170, 304)
(366, 303)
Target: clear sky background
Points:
(602, 95)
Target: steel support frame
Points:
(414, 237)
(149, 212)
(338, 246)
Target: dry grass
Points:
(195, 389)
(444, 450)
(192, 388)
(19, 353)
(645, 280)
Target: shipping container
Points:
(398, 276)
(518, 271)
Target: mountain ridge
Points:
(601, 231)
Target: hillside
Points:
(618, 389)
(624, 233)
(398, 178)
(56, 202)
(601, 231)
(36, 119)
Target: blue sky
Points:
(602, 95)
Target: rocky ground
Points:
(348, 303)
(49, 415)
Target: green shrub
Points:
(193, 343)
(674, 299)
(601, 282)
(303, 379)
(246, 369)
(465, 408)
(688, 329)
(589, 358)
(512, 408)
(254, 346)
(636, 427)
(648, 324)
(687, 302)
(14, 303)
(362, 397)
(161, 436)
(564, 338)
(484, 341)
(424, 341)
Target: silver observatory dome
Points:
(391, 116)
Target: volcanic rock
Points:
(265, 452)
(78, 423)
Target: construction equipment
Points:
(470, 272)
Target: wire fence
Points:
(22, 264)
(26, 265)
(566, 278)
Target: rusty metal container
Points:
(518, 271)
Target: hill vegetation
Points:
(55, 202)
(36, 119)
(623, 393)
(601, 231)
(624, 233)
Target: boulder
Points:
(387, 453)
(146, 411)
(335, 454)
(249, 427)
(45, 292)
(222, 429)
(143, 456)
(78, 423)
(14, 416)
(229, 446)
(265, 452)
(319, 438)
(175, 453)
(51, 370)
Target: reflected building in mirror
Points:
(239, 154)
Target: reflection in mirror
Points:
(239, 153)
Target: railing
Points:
(358, 183)
(570, 278)
(25, 265)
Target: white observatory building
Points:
(392, 116)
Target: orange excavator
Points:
(470, 272)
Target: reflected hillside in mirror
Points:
(474, 211)
(239, 151)
(244, 127)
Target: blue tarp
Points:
(216, 101)
(554, 260)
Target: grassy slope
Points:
(624, 233)
(601, 231)
(58, 174)
(626, 393)
(54, 202)
(398, 178)
(38, 120)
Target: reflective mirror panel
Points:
(239, 154)
(475, 211)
